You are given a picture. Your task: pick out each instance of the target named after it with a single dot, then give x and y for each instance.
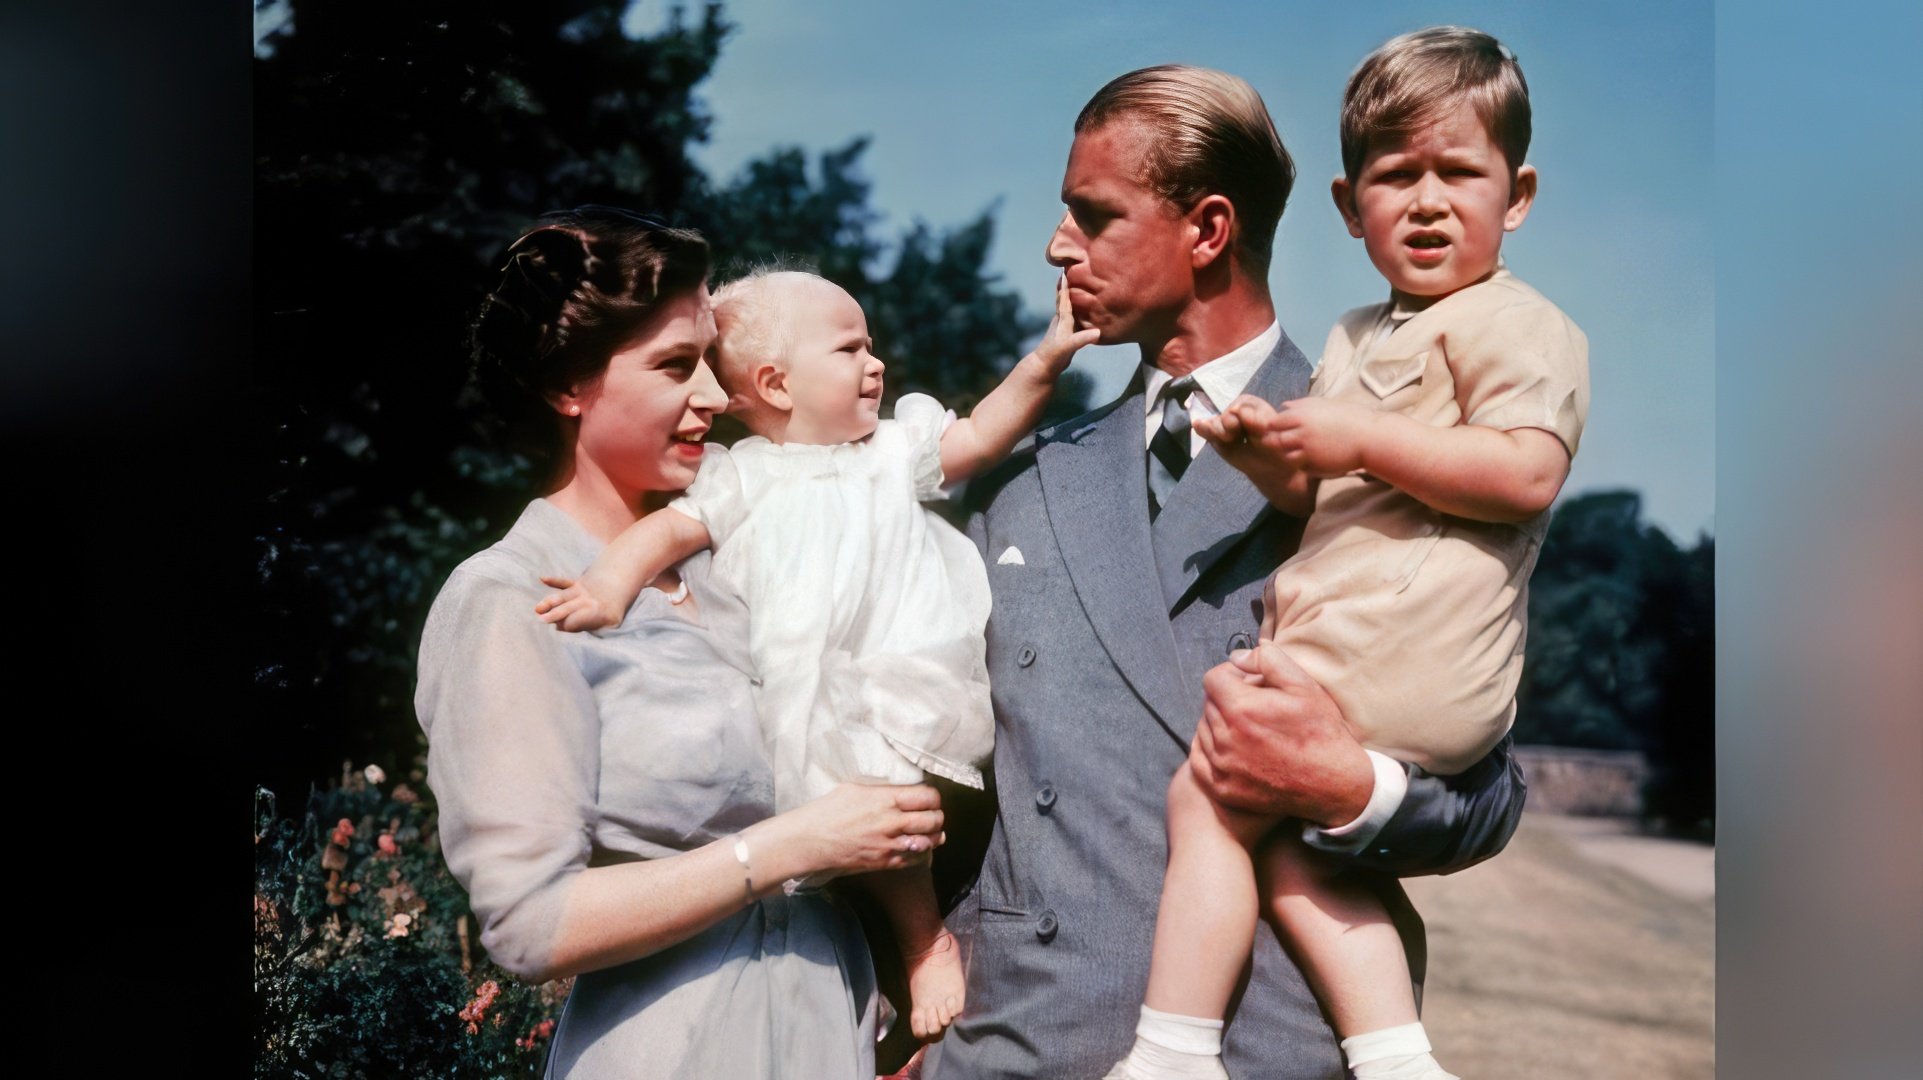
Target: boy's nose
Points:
(1431, 199)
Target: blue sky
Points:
(971, 105)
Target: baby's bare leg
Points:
(936, 982)
(1340, 934)
(1206, 924)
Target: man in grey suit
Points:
(1127, 562)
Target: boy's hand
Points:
(1320, 437)
(1239, 434)
(574, 608)
(1062, 341)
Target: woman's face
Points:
(643, 418)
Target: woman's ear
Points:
(771, 386)
(568, 402)
(1343, 193)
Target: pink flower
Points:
(387, 845)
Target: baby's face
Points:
(833, 375)
(1433, 208)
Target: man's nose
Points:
(1064, 244)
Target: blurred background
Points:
(913, 153)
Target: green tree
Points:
(399, 148)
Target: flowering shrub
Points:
(367, 962)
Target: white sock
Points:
(1397, 1053)
(1183, 1034)
(1169, 1046)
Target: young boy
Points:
(1439, 430)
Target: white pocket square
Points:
(1011, 557)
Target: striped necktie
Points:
(1168, 450)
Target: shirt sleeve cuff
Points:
(1391, 784)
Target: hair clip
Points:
(1506, 53)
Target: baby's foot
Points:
(936, 987)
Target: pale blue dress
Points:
(551, 752)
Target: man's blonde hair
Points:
(1210, 134)
(1411, 80)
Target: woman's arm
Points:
(642, 552)
(615, 914)
(514, 763)
(1011, 410)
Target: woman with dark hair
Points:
(605, 798)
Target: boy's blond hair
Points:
(1210, 134)
(1408, 82)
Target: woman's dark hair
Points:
(576, 288)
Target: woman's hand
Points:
(575, 607)
(857, 828)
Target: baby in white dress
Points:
(866, 610)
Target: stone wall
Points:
(1604, 783)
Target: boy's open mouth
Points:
(1428, 240)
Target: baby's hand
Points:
(574, 608)
(1322, 438)
(1062, 341)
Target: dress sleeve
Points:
(1520, 362)
(716, 498)
(513, 760)
(922, 421)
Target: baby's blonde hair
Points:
(751, 315)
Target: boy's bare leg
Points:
(1340, 935)
(936, 983)
(1206, 924)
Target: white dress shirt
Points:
(1219, 382)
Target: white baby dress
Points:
(866, 610)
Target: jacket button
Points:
(1025, 657)
(1045, 798)
(1046, 926)
(1241, 641)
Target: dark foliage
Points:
(1621, 651)
(399, 148)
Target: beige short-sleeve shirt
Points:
(1414, 620)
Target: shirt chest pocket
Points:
(1386, 375)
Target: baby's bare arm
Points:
(1011, 410)
(639, 555)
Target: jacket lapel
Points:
(1214, 506)
(1094, 484)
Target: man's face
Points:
(1124, 250)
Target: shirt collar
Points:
(1403, 307)
(1223, 377)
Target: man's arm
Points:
(1271, 740)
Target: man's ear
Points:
(771, 386)
(1522, 195)
(1344, 194)
(1213, 220)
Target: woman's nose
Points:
(704, 390)
(1064, 246)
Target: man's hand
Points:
(1272, 741)
(1238, 435)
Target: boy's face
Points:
(833, 377)
(1432, 208)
